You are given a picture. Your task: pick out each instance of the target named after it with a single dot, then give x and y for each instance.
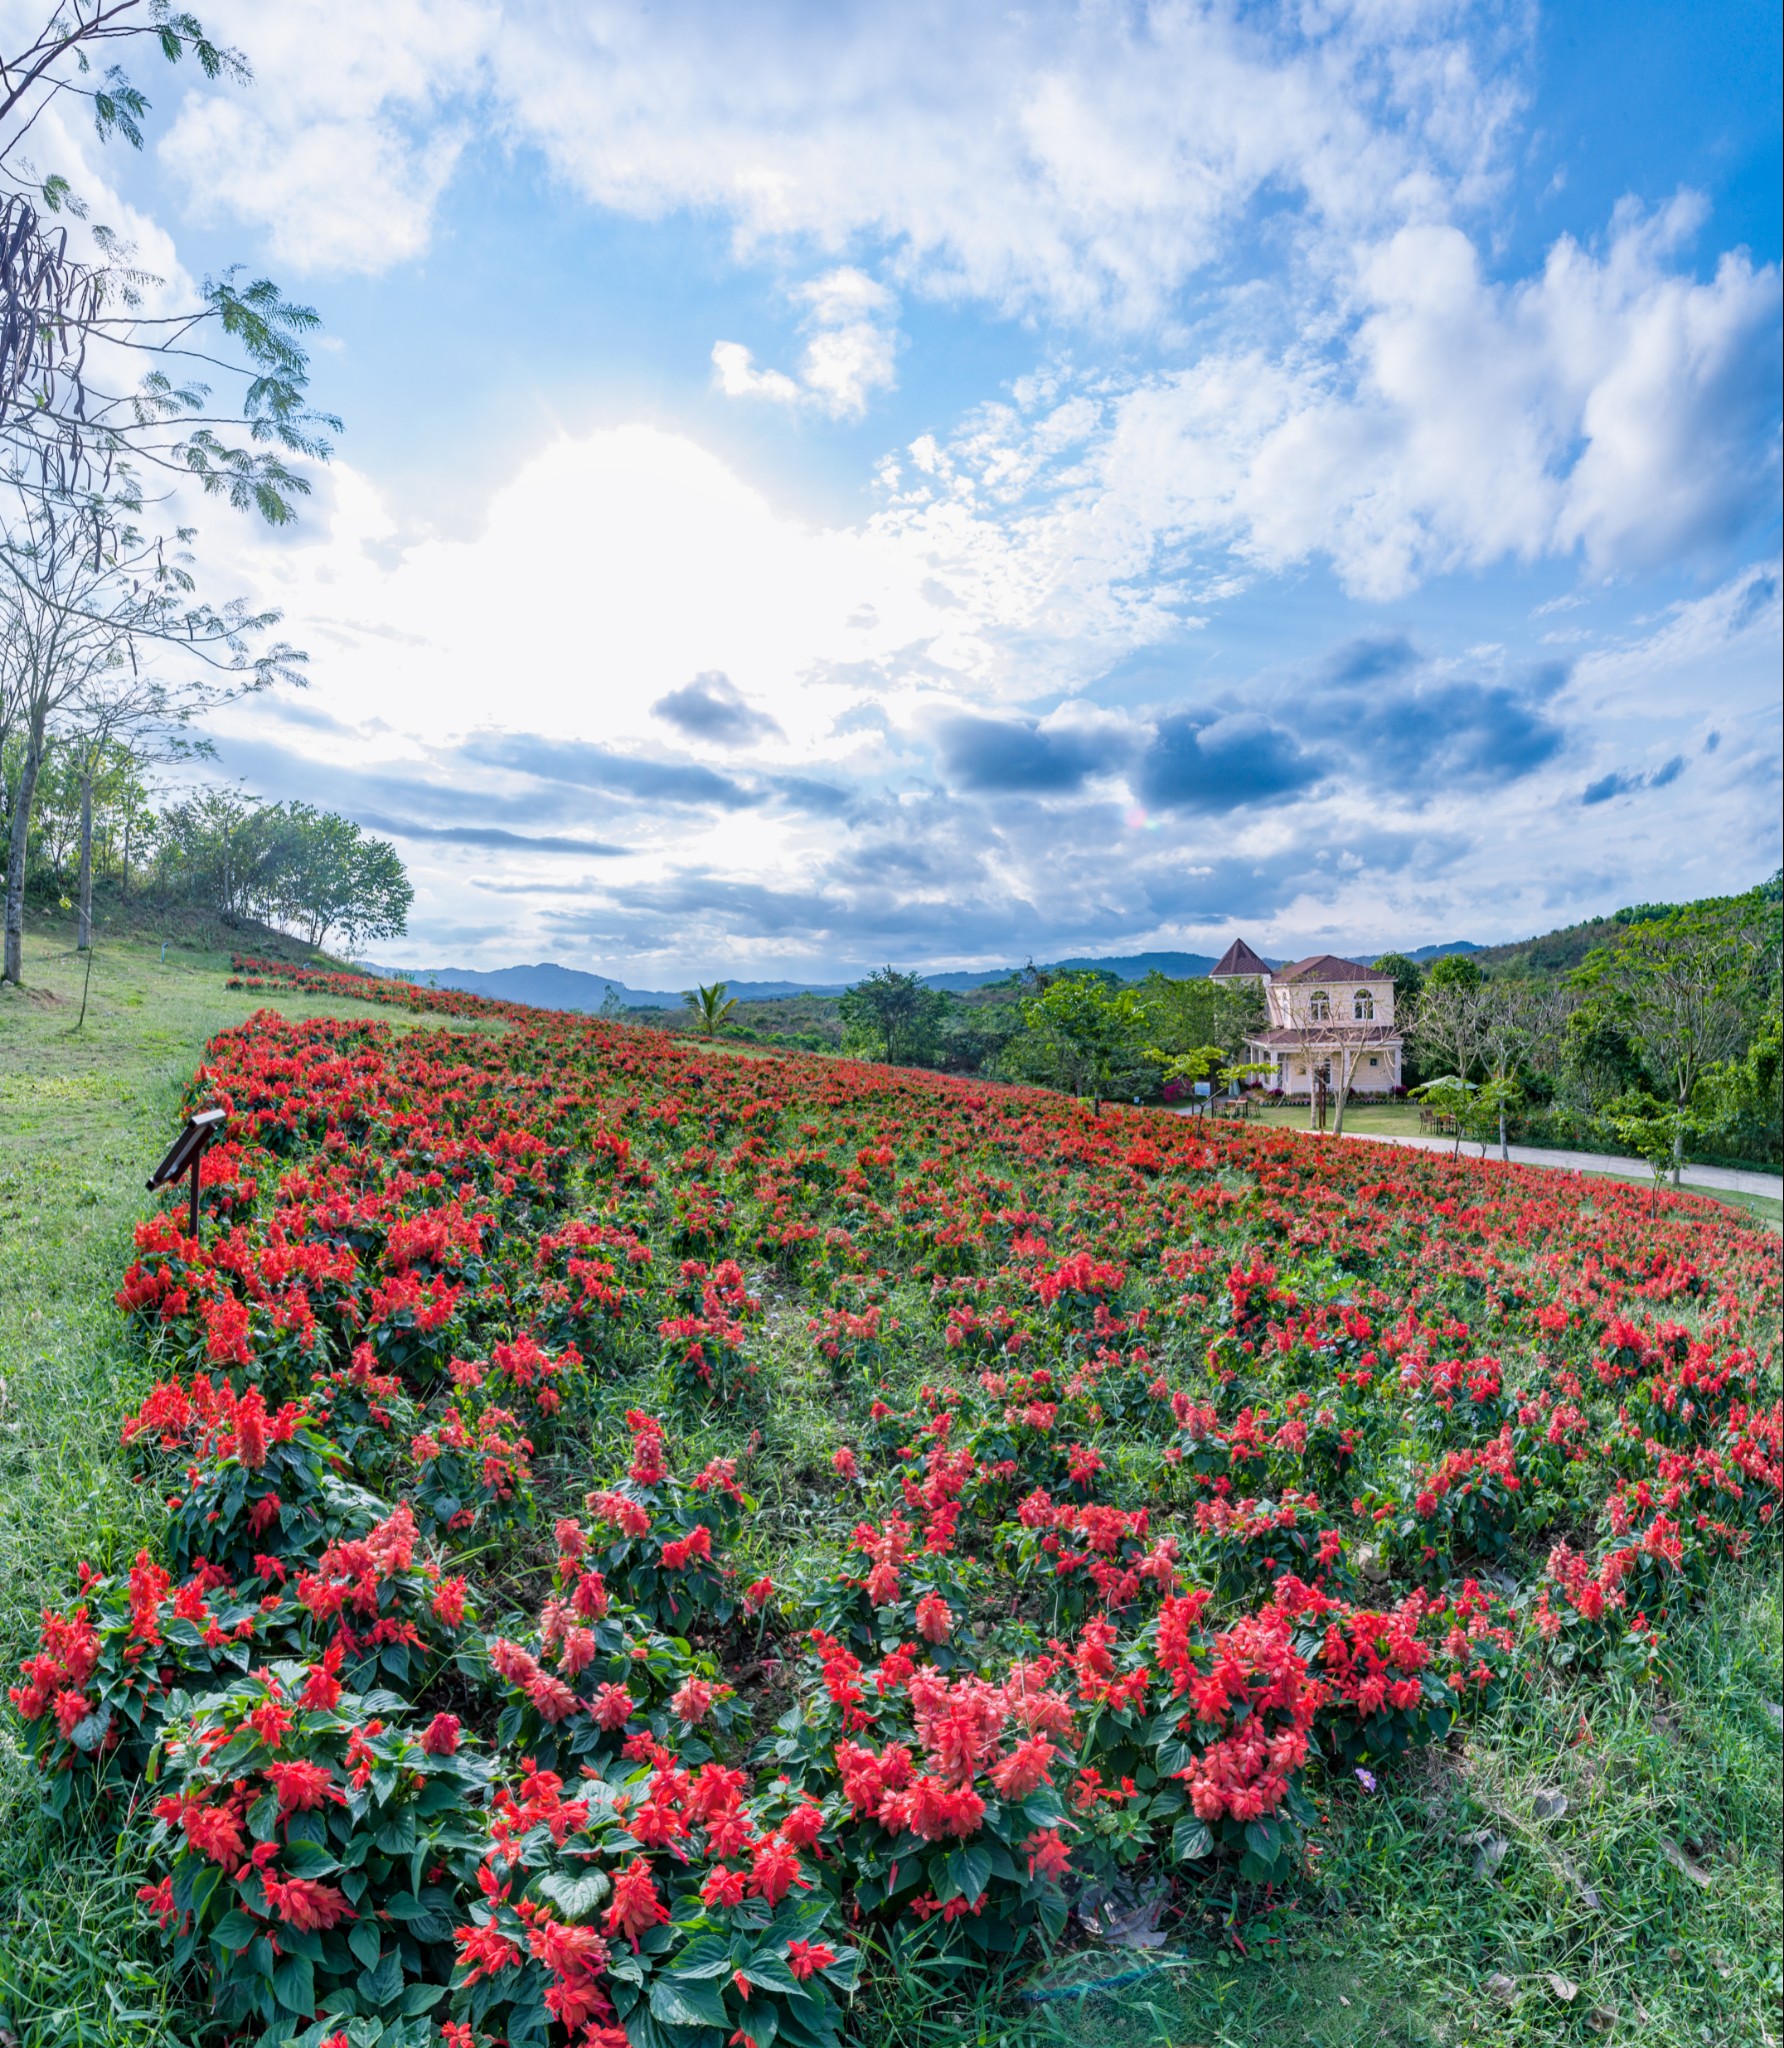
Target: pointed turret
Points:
(1240, 963)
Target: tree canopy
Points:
(895, 1014)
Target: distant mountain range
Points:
(548, 986)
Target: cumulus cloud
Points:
(852, 352)
(1055, 159)
(350, 133)
(1614, 407)
(1408, 724)
(1087, 163)
(1372, 397)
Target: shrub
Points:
(659, 1542)
(658, 1898)
(314, 1845)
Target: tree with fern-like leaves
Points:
(713, 1006)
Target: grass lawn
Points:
(1463, 1902)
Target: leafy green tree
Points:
(1454, 970)
(1196, 1011)
(1742, 1100)
(894, 1012)
(974, 1032)
(712, 1005)
(1408, 978)
(1688, 992)
(1088, 1036)
(287, 864)
(1597, 1055)
(340, 879)
(1652, 1131)
(1520, 1022)
(79, 324)
(1450, 1095)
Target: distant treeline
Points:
(1660, 1023)
(302, 870)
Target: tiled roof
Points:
(1328, 967)
(1238, 959)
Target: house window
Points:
(1363, 1009)
(1373, 1061)
(1319, 1006)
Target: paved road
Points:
(1735, 1178)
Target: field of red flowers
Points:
(649, 1532)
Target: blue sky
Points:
(828, 484)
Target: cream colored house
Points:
(1330, 1020)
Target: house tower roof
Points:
(1328, 967)
(1239, 960)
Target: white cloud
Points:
(738, 377)
(852, 352)
(1064, 159)
(1075, 159)
(1614, 405)
(343, 144)
(1370, 395)
(620, 565)
(612, 568)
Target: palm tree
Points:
(711, 1005)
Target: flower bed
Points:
(1171, 1468)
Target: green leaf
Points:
(397, 1837)
(87, 1735)
(1174, 1756)
(366, 1942)
(235, 1930)
(1191, 1839)
(576, 1897)
(688, 2002)
(707, 1955)
(294, 1985)
(769, 1971)
(759, 2023)
(420, 1998)
(382, 1985)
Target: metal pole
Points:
(196, 1158)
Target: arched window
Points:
(1363, 1009)
(1319, 1006)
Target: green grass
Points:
(1385, 1119)
(1396, 1946)
(83, 1117)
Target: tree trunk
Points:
(1678, 1163)
(83, 937)
(124, 883)
(14, 963)
(1504, 1148)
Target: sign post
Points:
(201, 1132)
